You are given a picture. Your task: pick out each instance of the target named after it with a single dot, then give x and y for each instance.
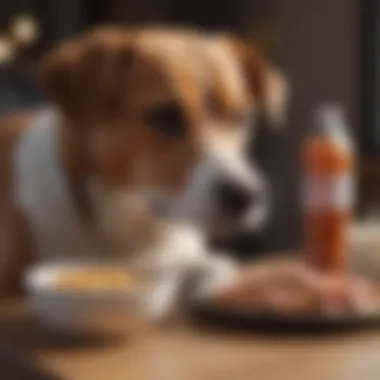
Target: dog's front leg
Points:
(213, 271)
(172, 257)
(182, 257)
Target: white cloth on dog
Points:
(42, 193)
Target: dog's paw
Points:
(217, 271)
(179, 250)
(164, 298)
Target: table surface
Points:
(186, 352)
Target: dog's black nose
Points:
(234, 198)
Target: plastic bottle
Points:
(328, 175)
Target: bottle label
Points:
(329, 192)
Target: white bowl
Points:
(90, 310)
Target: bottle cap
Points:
(330, 121)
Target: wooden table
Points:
(190, 353)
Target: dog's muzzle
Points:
(248, 206)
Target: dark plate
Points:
(220, 316)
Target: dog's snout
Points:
(234, 198)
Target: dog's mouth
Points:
(222, 226)
(220, 205)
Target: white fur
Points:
(41, 192)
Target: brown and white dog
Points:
(142, 154)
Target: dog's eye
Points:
(169, 119)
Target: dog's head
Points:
(167, 114)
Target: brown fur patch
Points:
(105, 81)
(267, 84)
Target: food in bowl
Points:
(89, 298)
(94, 279)
(299, 289)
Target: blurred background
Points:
(329, 50)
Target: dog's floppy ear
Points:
(83, 77)
(268, 85)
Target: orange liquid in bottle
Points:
(328, 175)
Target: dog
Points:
(141, 155)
